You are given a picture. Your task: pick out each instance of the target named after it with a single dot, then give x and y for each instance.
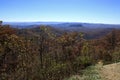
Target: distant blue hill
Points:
(62, 25)
(90, 30)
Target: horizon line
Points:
(60, 22)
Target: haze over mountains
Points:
(91, 30)
(65, 25)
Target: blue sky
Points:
(92, 11)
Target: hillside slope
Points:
(99, 72)
(111, 72)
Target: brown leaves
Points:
(5, 29)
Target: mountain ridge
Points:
(62, 24)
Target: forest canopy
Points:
(41, 54)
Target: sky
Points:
(91, 11)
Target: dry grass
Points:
(111, 72)
(100, 72)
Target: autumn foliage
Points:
(47, 56)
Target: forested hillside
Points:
(44, 53)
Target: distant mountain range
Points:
(65, 25)
(90, 30)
